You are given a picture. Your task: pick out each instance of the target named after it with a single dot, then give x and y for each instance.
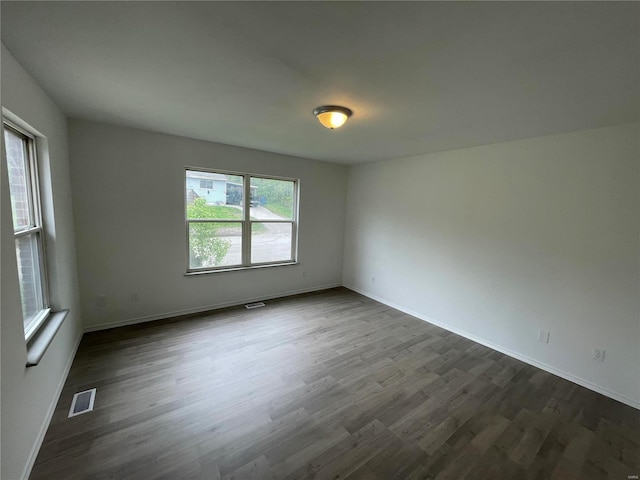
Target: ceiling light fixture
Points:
(332, 116)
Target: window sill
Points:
(37, 324)
(237, 269)
(38, 344)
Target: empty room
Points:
(320, 240)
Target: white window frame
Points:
(246, 223)
(35, 230)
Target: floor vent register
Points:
(82, 402)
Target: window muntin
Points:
(255, 225)
(22, 171)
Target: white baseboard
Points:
(31, 460)
(206, 308)
(531, 361)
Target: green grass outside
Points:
(283, 211)
(221, 212)
(217, 212)
(224, 212)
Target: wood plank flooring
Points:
(330, 385)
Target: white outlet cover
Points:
(543, 336)
(598, 354)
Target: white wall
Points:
(128, 197)
(499, 241)
(30, 395)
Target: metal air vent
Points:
(82, 402)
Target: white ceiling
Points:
(420, 76)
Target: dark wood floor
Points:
(330, 385)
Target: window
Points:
(22, 169)
(254, 224)
(206, 184)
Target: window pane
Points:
(272, 198)
(29, 277)
(214, 196)
(19, 180)
(215, 244)
(270, 242)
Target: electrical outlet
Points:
(101, 301)
(598, 354)
(373, 279)
(135, 296)
(543, 336)
(304, 274)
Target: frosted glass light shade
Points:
(332, 116)
(332, 119)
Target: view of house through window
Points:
(239, 220)
(27, 226)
